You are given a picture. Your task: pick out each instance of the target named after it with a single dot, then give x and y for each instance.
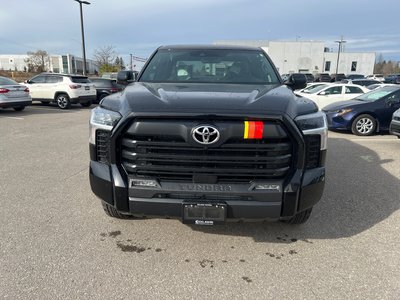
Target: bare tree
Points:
(105, 55)
(389, 67)
(380, 58)
(37, 61)
(385, 67)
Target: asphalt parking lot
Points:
(56, 242)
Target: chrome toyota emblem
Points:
(205, 134)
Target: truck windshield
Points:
(210, 66)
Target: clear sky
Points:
(140, 26)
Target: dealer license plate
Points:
(203, 213)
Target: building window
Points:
(327, 66)
(65, 64)
(353, 66)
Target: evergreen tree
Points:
(121, 64)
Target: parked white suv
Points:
(63, 89)
(378, 77)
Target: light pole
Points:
(83, 34)
(131, 62)
(338, 53)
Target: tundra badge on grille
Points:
(205, 134)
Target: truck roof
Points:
(209, 47)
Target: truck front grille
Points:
(234, 161)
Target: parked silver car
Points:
(13, 94)
(395, 124)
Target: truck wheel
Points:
(300, 217)
(112, 212)
(363, 125)
(63, 101)
(86, 104)
(19, 108)
(102, 96)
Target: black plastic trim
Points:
(100, 181)
(236, 209)
(312, 188)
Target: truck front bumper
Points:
(282, 200)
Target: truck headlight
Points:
(314, 123)
(102, 119)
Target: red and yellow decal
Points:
(253, 129)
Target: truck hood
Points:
(143, 97)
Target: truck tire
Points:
(300, 217)
(63, 101)
(112, 212)
(102, 96)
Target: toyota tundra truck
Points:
(209, 134)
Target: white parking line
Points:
(15, 118)
(376, 139)
(49, 109)
(60, 110)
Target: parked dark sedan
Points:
(323, 77)
(355, 76)
(310, 77)
(337, 77)
(105, 87)
(366, 114)
(362, 82)
(393, 78)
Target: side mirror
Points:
(122, 76)
(296, 81)
(322, 93)
(27, 81)
(126, 77)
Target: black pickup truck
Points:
(209, 134)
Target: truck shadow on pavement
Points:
(359, 193)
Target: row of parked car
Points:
(341, 77)
(63, 89)
(348, 106)
(357, 108)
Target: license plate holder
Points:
(203, 213)
(87, 88)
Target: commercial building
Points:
(311, 57)
(66, 64)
